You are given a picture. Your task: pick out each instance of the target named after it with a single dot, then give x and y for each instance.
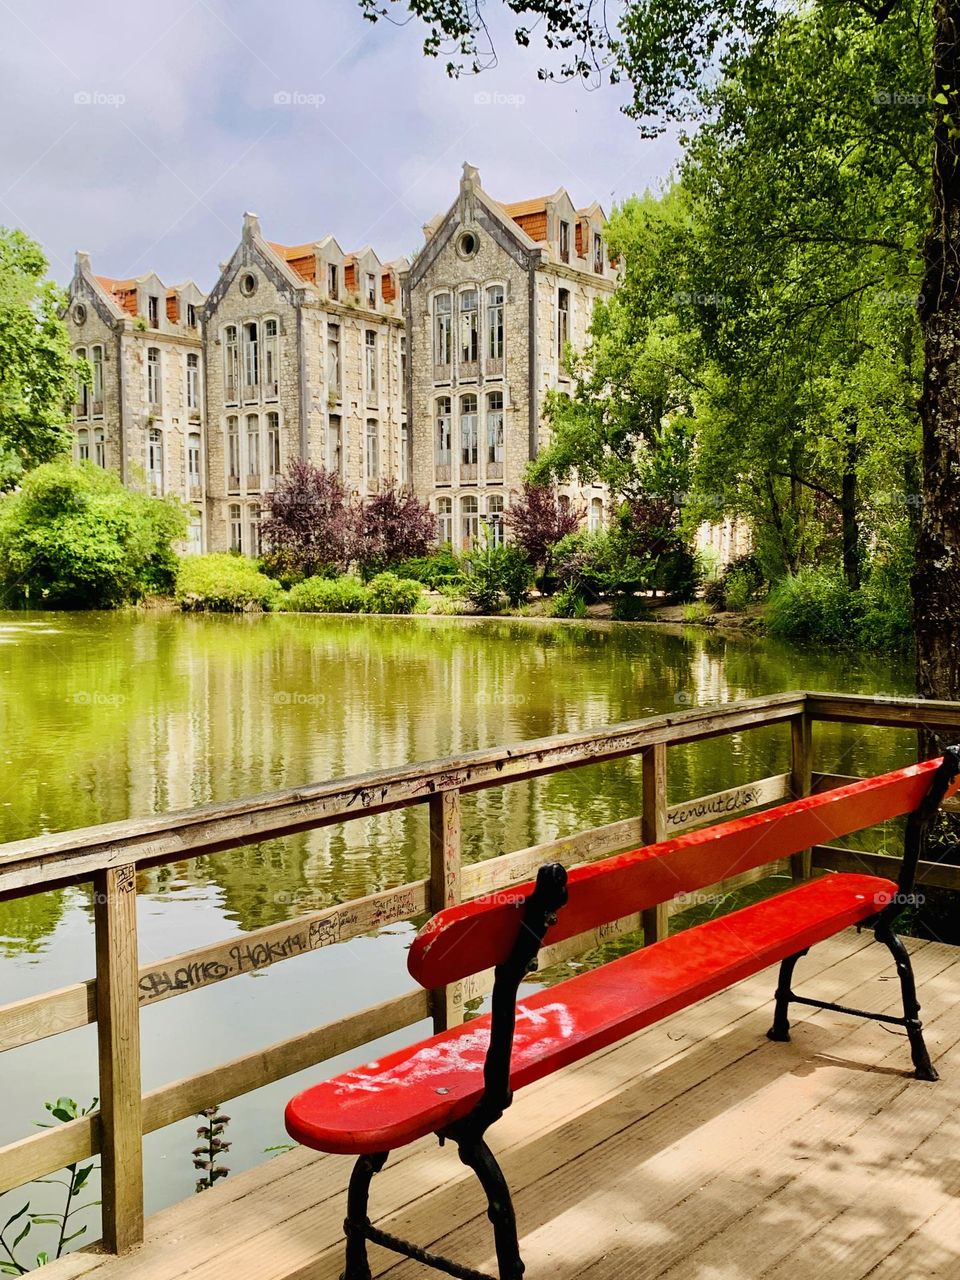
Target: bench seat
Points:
(422, 1089)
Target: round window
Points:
(79, 313)
(248, 284)
(468, 244)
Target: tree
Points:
(669, 51)
(390, 527)
(37, 372)
(307, 529)
(72, 537)
(538, 522)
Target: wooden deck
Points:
(695, 1149)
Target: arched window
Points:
(233, 451)
(271, 363)
(596, 514)
(442, 433)
(153, 376)
(253, 529)
(236, 528)
(193, 382)
(469, 521)
(231, 364)
(495, 518)
(155, 460)
(83, 391)
(253, 446)
(563, 320)
(96, 363)
(273, 445)
(251, 357)
(468, 431)
(442, 332)
(444, 520)
(193, 459)
(469, 327)
(83, 445)
(372, 452)
(495, 433)
(99, 447)
(495, 322)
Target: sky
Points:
(142, 132)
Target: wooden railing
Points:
(111, 855)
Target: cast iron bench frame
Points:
(540, 910)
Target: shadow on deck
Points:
(696, 1149)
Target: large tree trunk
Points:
(936, 584)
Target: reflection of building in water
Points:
(726, 539)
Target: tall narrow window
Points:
(495, 518)
(495, 427)
(443, 432)
(444, 520)
(333, 281)
(83, 445)
(96, 364)
(99, 447)
(191, 316)
(403, 362)
(495, 322)
(233, 450)
(251, 356)
(372, 454)
(598, 253)
(404, 454)
(236, 528)
(83, 389)
(155, 459)
(334, 443)
(193, 459)
(273, 445)
(596, 514)
(468, 430)
(153, 311)
(193, 382)
(333, 360)
(564, 241)
(153, 376)
(253, 445)
(231, 364)
(442, 335)
(371, 282)
(563, 321)
(469, 521)
(469, 327)
(253, 529)
(271, 373)
(370, 365)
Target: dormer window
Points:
(564, 241)
(598, 253)
(371, 287)
(333, 281)
(153, 311)
(191, 316)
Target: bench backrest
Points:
(479, 935)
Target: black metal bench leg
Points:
(923, 1067)
(478, 1157)
(357, 1267)
(781, 1021)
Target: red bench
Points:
(456, 1084)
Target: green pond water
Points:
(108, 716)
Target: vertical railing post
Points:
(445, 890)
(653, 828)
(118, 1038)
(801, 782)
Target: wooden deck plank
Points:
(706, 1152)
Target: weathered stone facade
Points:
(302, 350)
(491, 303)
(143, 415)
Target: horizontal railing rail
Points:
(110, 856)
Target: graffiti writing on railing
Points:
(715, 806)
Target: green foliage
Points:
(815, 605)
(568, 603)
(72, 537)
(696, 611)
(628, 608)
(224, 583)
(386, 593)
(741, 584)
(327, 595)
(37, 372)
(497, 574)
(442, 568)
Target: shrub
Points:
(888, 602)
(389, 594)
(630, 609)
(677, 573)
(307, 527)
(538, 522)
(696, 611)
(497, 574)
(740, 584)
(225, 583)
(72, 537)
(815, 605)
(568, 603)
(389, 528)
(327, 595)
(441, 568)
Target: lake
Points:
(107, 716)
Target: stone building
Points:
(305, 358)
(491, 303)
(142, 415)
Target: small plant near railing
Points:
(23, 1221)
(212, 1147)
